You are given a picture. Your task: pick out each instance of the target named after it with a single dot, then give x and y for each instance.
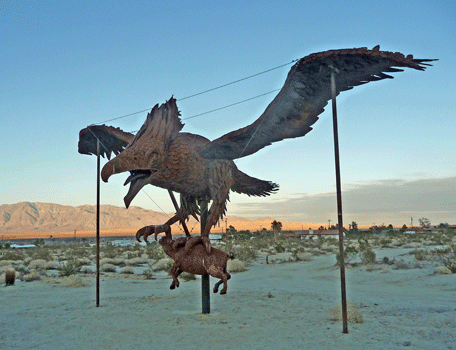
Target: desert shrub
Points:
(70, 267)
(108, 268)
(148, 275)
(119, 262)
(235, 265)
(353, 314)
(420, 254)
(137, 261)
(302, 256)
(385, 242)
(73, 281)
(155, 251)
(164, 264)
(12, 254)
(450, 264)
(39, 242)
(84, 261)
(40, 253)
(5, 263)
(86, 270)
(51, 265)
(349, 254)
(442, 270)
(368, 257)
(243, 253)
(77, 252)
(279, 248)
(107, 261)
(108, 251)
(127, 270)
(402, 265)
(37, 264)
(32, 276)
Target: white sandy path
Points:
(401, 308)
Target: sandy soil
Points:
(283, 306)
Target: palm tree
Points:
(276, 227)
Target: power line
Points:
(237, 81)
(218, 109)
(206, 91)
(230, 105)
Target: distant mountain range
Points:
(48, 217)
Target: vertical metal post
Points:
(339, 204)
(205, 288)
(98, 225)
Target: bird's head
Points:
(145, 155)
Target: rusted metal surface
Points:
(205, 285)
(98, 225)
(161, 155)
(339, 204)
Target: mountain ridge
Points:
(49, 217)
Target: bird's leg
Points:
(219, 188)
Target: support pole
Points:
(205, 288)
(339, 203)
(98, 225)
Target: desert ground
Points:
(401, 292)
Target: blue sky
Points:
(69, 64)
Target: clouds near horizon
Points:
(372, 202)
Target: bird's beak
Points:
(137, 180)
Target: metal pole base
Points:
(205, 295)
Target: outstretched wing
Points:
(111, 140)
(305, 94)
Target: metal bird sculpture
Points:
(161, 155)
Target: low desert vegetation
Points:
(78, 258)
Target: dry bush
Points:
(108, 268)
(12, 254)
(4, 268)
(155, 251)
(235, 265)
(106, 261)
(353, 314)
(71, 267)
(86, 270)
(40, 253)
(84, 261)
(302, 256)
(5, 263)
(442, 270)
(127, 270)
(137, 261)
(119, 262)
(164, 264)
(73, 281)
(51, 265)
(37, 264)
(32, 276)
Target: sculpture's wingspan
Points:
(112, 140)
(305, 94)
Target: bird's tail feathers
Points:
(251, 186)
